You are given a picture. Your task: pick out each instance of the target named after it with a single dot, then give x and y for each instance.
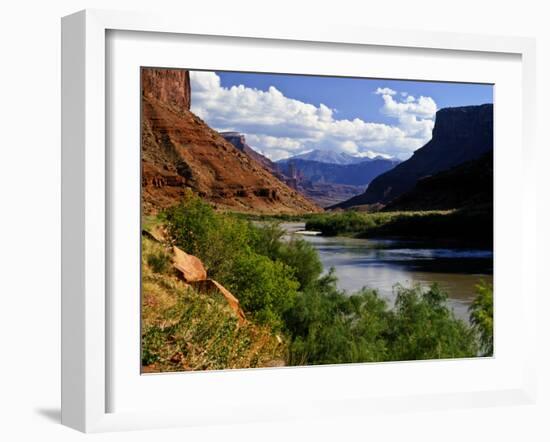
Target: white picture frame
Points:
(86, 315)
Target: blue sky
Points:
(353, 97)
(285, 115)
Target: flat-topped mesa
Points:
(460, 134)
(237, 139)
(171, 86)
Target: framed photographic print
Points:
(288, 223)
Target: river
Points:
(382, 263)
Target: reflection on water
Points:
(382, 263)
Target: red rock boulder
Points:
(189, 267)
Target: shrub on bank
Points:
(329, 327)
(265, 288)
(281, 287)
(423, 327)
(474, 224)
(481, 317)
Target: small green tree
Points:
(217, 239)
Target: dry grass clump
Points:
(184, 330)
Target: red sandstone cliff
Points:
(180, 151)
(170, 86)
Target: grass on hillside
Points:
(185, 330)
(294, 313)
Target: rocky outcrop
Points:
(214, 288)
(180, 151)
(460, 134)
(236, 139)
(190, 270)
(171, 86)
(189, 267)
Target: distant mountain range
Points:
(460, 135)
(332, 157)
(329, 177)
(333, 177)
(354, 174)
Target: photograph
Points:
(300, 219)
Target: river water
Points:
(382, 263)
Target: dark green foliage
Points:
(159, 261)
(331, 328)
(304, 259)
(481, 317)
(265, 288)
(243, 257)
(266, 239)
(423, 327)
(215, 239)
(279, 285)
(339, 223)
(474, 224)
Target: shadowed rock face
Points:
(469, 184)
(460, 134)
(180, 151)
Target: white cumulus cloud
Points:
(278, 126)
(384, 91)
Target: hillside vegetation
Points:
(473, 225)
(294, 314)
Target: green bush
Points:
(266, 239)
(266, 288)
(423, 327)
(481, 317)
(329, 327)
(304, 259)
(215, 238)
(279, 284)
(241, 256)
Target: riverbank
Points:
(381, 263)
(283, 291)
(465, 227)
